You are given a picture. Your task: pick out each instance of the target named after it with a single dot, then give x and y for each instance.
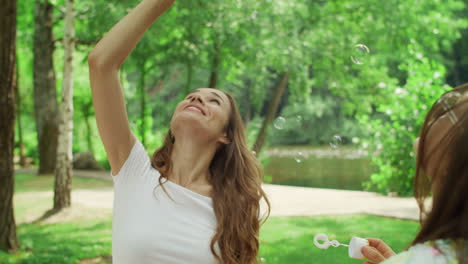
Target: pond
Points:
(320, 167)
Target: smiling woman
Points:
(197, 199)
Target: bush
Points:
(397, 125)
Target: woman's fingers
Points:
(372, 254)
(381, 247)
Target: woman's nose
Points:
(197, 98)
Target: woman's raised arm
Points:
(104, 63)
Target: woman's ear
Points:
(224, 139)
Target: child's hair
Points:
(442, 169)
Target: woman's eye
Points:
(216, 101)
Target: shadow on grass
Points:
(283, 239)
(46, 215)
(61, 243)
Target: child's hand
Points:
(377, 251)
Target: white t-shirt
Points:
(149, 227)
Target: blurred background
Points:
(332, 93)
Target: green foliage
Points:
(315, 122)
(258, 41)
(398, 123)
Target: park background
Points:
(332, 93)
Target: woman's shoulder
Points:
(432, 252)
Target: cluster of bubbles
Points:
(359, 56)
(281, 122)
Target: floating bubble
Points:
(299, 157)
(360, 54)
(297, 121)
(262, 260)
(336, 141)
(279, 123)
(254, 14)
(365, 145)
(299, 118)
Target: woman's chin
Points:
(191, 127)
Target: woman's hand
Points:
(377, 251)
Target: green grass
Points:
(290, 239)
(61, 243)
(31, 182)
(284, 239)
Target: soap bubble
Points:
(279, 123)
(296, 121)
(299, 119)
(336, 141)
(262, 260)
(299, 157)
(360, 54)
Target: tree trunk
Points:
(215, 65)
(45, 97)
(22, 156)
(8, 238)
(270, 115)
(86, 110)
(63, 172)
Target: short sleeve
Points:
(424, 254)
(137, 165)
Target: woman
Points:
(197, 200)
(441, 169)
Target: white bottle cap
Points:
(355, 246)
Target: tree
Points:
(8, 238)
(270, 114)
(22, 156)
(63, 171)
(45, 101)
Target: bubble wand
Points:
(354, 247)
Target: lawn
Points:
(284, 239)
(31, 182)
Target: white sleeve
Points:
(135, 168)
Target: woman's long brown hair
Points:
(236, 178)
(448, 216)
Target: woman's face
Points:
(205, 112)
